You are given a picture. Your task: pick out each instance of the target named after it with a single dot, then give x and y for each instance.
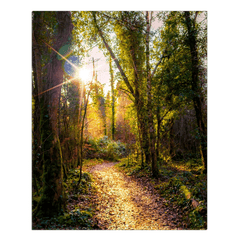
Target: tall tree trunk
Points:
(37, 88)
(141, 144)
(152, 136)
(143, 123)
(171, 139)
(113, 100)
(52, 200)
(158, 132)
(36, 136)
(196, 86)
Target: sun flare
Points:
(84, 74)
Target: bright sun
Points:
(84, 74)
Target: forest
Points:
(119, 120)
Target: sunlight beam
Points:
(62, 56)
(63, 82)
(55, 86)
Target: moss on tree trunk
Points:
(52, 198)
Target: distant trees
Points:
(182, 76)
(159, 69)
(100, 104)
(129, 29)
(195, 84)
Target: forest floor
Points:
(123, 196)
(124, 202)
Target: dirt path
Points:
(124, 203)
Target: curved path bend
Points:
(124, 203)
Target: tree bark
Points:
(196, 86)
(113, 100)
(52, 200)
(152, 136)
(36, 135)
(143, 124)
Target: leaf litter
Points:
(127, 203)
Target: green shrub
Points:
(176, 191)
(76, 219)
(196, 221)
(105, 148)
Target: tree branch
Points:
(154, 70)
(123, 22)
(127, 93)
(196, 14)
(113, 56)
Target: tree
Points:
(100, 103)
(149, 104)
(155, 68)
(113, 100)
(180, 72)
(52, 199)
(197, 98)
(82, 122)
(132, 31)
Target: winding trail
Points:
(124, 203)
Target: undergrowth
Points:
(104, 148)
(79, 212)
(182, 184)
(91, 162)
